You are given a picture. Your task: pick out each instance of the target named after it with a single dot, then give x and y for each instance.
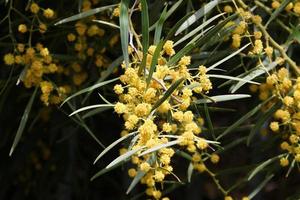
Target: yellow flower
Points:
(48, 13)
(228, 9)
(284, 162)
(34, 8)
(22, 28)
(44, 52)
(274, 126)
(120, 108)
(275, 4)
(159, 176)
(132, 172)
(296, 8)
(46, 87)
(118, 89)
(145, 166)
(9, 59)
(167, 127)
(202, 144)
(185, 60)
(116, 12)
(215, 158)
(42, 28)
(71, 37)
(228, 198)
(168, 48)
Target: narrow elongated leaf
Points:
(263, 119)
(145, 34)
(220, 98)
(113, 145)
(196, 30)
(145, 26)
(85, 14)
(231, 78)
(104, 75)
(124, 29)
(167, 94)
(187, 49)
(106, 23)
(242, 119)
(169, 13)
(81, 123)
(95, 112)
(227, 57)
(158, 147)
(260, 186)
(263, 165)
(176, 26)
(278, 11)
(23, 122)
(257, 72)
(159, 26)
(124, 156)
(105, 170)
(90, 107)
(200, 13)
(209, 122)
(190, 172)
(154, 62)
(140, 174)
(88, 89)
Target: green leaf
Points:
(88, 89)
(209, 122)
(145, 26)
(105, 170)
(110, 69)
(124, 29)
(176, 26)
(200, 13)
(113, 145)
(154, 61)
(190, 172)
(140, 174)
(81, 123)
(106, 23)
(169, 13)
(278, 11)
(95, 112)
(124, 156)
(168, 93)
(187, 49)
(231, 78)
(262, 120)
(158, 147)
(196, 30)
(242, 119)
(264, 165)
(85, 14)
(220, 98)
(260, 186)
(23, 122)
(159, 26)
(227, 57)
(253, 74)
(90, 107)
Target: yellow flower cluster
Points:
(171, 120)
(286, 119)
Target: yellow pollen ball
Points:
(48, 13)
(9, 59)
(22, 28)
(34, 8)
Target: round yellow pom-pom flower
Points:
(48, 13)
(22, 28)
(274, 126)
(9, 59)
(34, 8)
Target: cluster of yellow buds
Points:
(286, 119)
(37, 62)
(170, 122)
